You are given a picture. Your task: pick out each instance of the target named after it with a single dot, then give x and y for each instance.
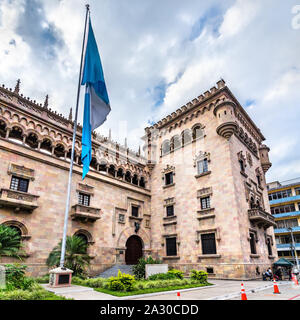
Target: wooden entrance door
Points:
(134, 250)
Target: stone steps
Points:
(113, 271)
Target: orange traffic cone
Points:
(295, 280)
(178, 295)
(276, 290)
(243, 293)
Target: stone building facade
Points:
(197, 199)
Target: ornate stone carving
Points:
(21, 171)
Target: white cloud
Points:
(238, 17)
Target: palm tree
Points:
(76, 257)
(10, 242)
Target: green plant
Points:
(162, 276)
(198, 275)
(15, 277)
(123, 282)
(35, 293)
(10, 242)
(43, 279)
(177, 273)
(139, 270)
(76, 257)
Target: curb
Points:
(163, 293)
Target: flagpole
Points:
(63, 246)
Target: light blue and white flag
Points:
(96, 103)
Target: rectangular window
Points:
(287, 223)
(19, 184)
(283, 209)
(252, 243)
(280, 194)
(84, 199)
(205, 203)
(242, 167)
(170, 211)
(169, 178)
(297, 191)
(135, 211)
(171, 247)
(202, 166)
(269, 246)
(210, 270)
(208, 242)
(258, 180)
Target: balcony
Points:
(20, 201)
(261, 218)
(85, 214)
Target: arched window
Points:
(120, 173)
(252, 203)
(176, 142)
(93, 163)
(102, 166)
(59, 151)
(166, 148)
(79, 160)
(16, 134)
(18, 227)
(2, 129)
(258, 204)
(46, 145)
(128, 176)
(32, 140)
(142, 182)
(85, 236)
(111, 170)
(197, 132)
(135, 180)
(186, 137)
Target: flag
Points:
(96, 102)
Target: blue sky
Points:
(158, 55)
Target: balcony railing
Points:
(18, 200)
(283, 200)
(85, 213)
(286, 246)
(261, 217)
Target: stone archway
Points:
(134, 250)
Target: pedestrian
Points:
(278, 273)
(290, 273)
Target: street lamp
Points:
(291, 231)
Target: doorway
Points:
(134, 250)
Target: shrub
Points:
(43, 279)
(162, 276)
(199, 275)
(177, 273)
(15, 277)
(10, 242)
(123, 282)
(139, 269)
(171, 274)
(38, 293)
